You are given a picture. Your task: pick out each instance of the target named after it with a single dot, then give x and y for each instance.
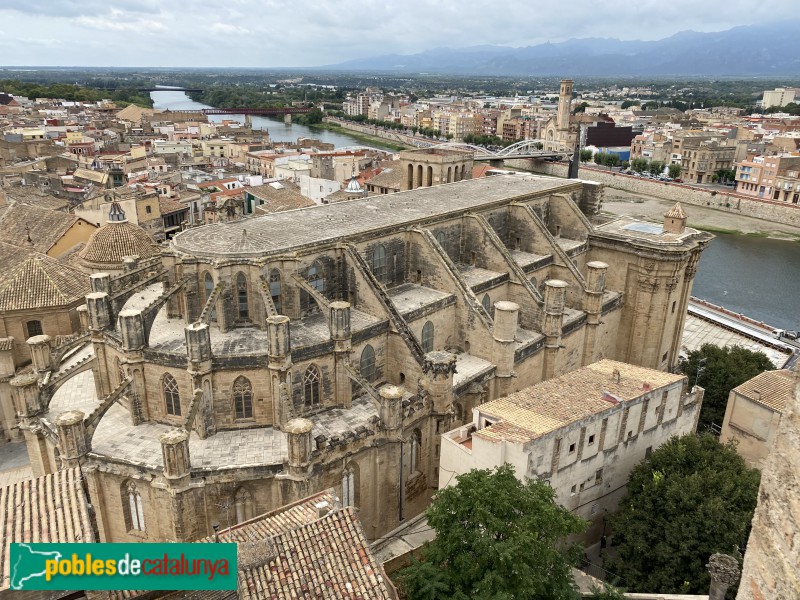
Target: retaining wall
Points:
(768, 210)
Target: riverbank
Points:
(621, 202)
(361, 137)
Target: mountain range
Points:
(752, 50)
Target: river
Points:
(278, 130)
(755, 276)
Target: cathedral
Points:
(254, 362)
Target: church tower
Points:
(564, 105)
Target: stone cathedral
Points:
(254, 362)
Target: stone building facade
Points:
(427, 167)
(773, 550)
(259, 360)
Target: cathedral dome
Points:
(115, 240)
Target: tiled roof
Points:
(551, 404)
(40, 282)
(167, 206)
(303, 556)
(676, 212)
(116, 240)
(772, 389)
(11, 256)
(44, 226)
(53, 508)
(287, 197)
(326, 558)
(390, 177)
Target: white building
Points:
(582, 432)
(778, 97)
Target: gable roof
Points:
(309, 556)
(41, 282)
(53, 508)
(44, 226)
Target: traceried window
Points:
(367, 364)
(34, 328)
(132, 507)
(427, 337)
(172, 397)
(487, 303)
(241, 296)
(349, 486)
(316, 276)
(275, 289)
(441, 237)
(311, 386)
(379, 263)
(243, 398)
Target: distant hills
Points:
(754, 50)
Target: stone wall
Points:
(773, 551)
(728, 202)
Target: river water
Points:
(278, 130)
(755, 276)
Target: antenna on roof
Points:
(28, 235)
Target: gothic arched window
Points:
(379, 263)
(441, 237)
(487, 303)
(367, 364)
(311, 386)
(243, 398)
(275, 288)
(132, 507)
(243, 500)
(349, 485)
(241, 296)
(172, 397)
(427, 337)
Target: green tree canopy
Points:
(720, 370)
(674, 171)
(629, 103)
(691, 498)
(496, 538)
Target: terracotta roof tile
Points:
(116, 240)
(676, 212)
(44, 226)
(40, 282)
(772, 389)
(551, 404)
(53, 508)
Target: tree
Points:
(719, 370)
(580, 108)
(674, 171)
(639, 165)
(496, 538)
(656, 167)
(691, 498)
(585, 155)
(629, 103)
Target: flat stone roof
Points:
(408, 297)
(280, 232)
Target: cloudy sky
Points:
(280, 33)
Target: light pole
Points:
(701, 367)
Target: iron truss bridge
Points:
(523, 149)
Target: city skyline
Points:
(246, 33)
